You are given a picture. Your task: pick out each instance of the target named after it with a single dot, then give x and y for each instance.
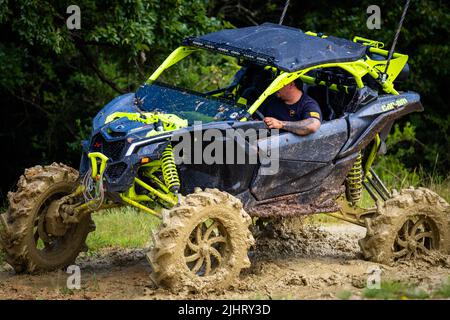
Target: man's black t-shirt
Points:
(305, 108)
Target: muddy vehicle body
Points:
(207, 209)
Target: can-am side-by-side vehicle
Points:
(207, 208)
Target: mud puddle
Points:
(313, 263)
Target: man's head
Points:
(290, 93)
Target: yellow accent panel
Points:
(170, 121)
(371, 157)
(139, 206)
(282, 80)
(242, 100)
(314, 34)
(397, 63)
(170, 198)
(312, 81)
(177, 55)
(369, 42)
(94, 156)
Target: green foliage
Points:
(397, 290)
(392, 167)
(444, 290)
(344, 295)
(202, 71)
(394, 290)
(54, 80)
(399, 169)
(82, 133)
(66, 291)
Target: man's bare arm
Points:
(302, 127)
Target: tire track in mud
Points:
(297, 263)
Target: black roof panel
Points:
(285, 48)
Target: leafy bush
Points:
(392, 167)
(54, 80)
(397, 171)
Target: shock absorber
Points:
(354, 181)
(169, 169)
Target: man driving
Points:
(292, 110)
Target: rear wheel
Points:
(28, 245)
(413, 223)
(202, 243)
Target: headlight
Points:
(153, 150)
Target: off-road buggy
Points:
(207, 209)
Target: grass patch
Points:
(3, 203)
(443, 291)
(124, 227)
(440, 186)
(66, 291)
(396, 176)
(344, 295)
(393, 290)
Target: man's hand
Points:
(273, 123)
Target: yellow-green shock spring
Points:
(354, 181)
(169, 169)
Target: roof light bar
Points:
(231, 51)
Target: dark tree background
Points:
(53, 81)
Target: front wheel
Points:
(202, 244)
(28, 245)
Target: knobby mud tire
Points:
(37, 187)
(167, 257)
(381, 243)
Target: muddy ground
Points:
(313, 263)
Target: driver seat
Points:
(333, 104)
